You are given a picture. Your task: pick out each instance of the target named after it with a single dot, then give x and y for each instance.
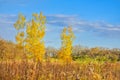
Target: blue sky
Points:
(94, 22)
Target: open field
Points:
(29, 70)
(87, 64)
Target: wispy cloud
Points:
(98, 28)
(7, 18)
(73, 20)
(6, 25)
(79, 25)
(61, 20)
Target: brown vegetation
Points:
(29, 70)
(14, 68)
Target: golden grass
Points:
(30, 70)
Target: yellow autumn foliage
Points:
(31, 39)
(19, 26)
(67, 37)
(35, 33)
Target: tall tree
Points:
(67, 37)
(35, 33)
(32, 39)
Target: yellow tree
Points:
(19, 26)
(35, 33)
(67, 37)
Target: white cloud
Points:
(7, 18)
(76, 29)
(79, 25)
(73, 20)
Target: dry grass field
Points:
(30, 70)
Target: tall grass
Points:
(30, 70)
